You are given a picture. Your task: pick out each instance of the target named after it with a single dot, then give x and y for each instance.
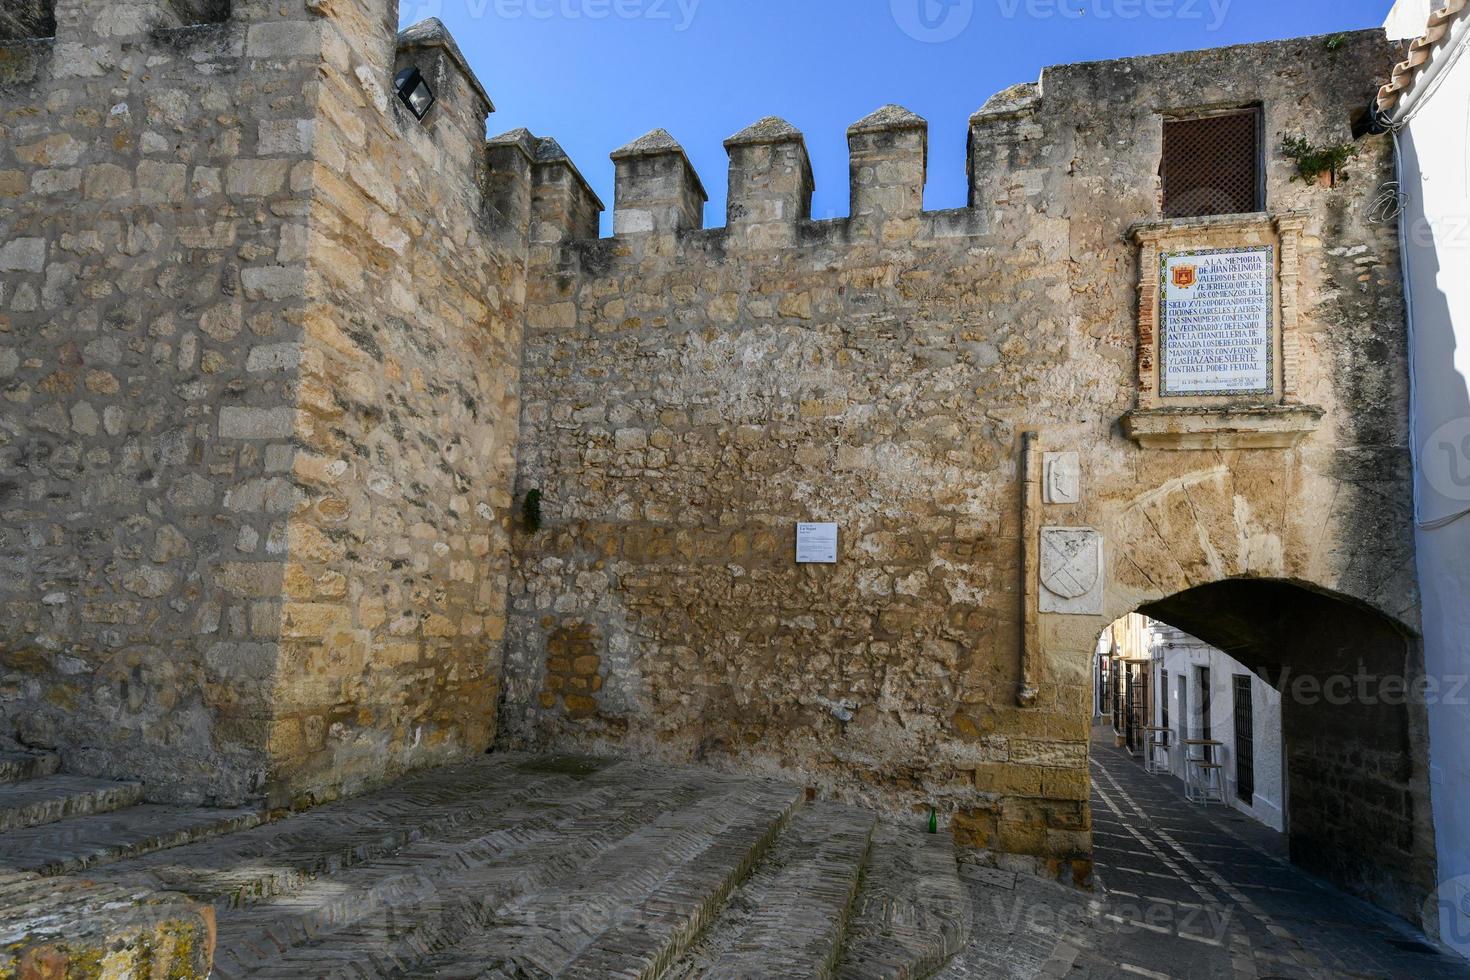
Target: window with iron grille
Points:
(1205, 707)
(1137, 709)
(1212, 165)
(1183, 707)
(1245, 742)
(1164, 699)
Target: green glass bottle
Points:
(933, 820)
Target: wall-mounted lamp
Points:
(414, 92)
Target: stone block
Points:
(239, 422)
(23, 255)
(256, 178)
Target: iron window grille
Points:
(1245, 744)
(1213, 165)
(1164, 699)
(1205, 706)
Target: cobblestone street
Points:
(1183, 892)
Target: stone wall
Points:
(261, 358)
(396, 575)
(151, 242)
(258, 357)
(693, 394)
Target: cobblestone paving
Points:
(1184, 892)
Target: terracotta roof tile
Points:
(1421, 52)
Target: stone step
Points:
(81, 843)
(661, 928)
(18, 765)
(277, 858)
(789, 919)
(913, 914)
(651, 854)
(51, 798)
(423, 896)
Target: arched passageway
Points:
(1354, 736)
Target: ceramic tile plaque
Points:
(1216, 322)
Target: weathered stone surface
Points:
(77, 843)
(73, 928)
(563, 866)
(22, 19)
(262, 337)
(17, 766)
(790, 918)
(209, 409)
(48, 799)
(912, 915)
(694, 395)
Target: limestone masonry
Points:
(280, 364)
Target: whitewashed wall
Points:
(1408, 17)
(1181, 655)
(1436, 183)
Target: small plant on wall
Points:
(1317, 164)
(531, 511)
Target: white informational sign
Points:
(1215, 330)
(816, 544)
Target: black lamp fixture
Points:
(414, 92)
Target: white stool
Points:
(1204, 778)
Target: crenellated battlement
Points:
(531, 192)
(769, 205)
(539, 191)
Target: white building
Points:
(1427, 105)
(1201, 692)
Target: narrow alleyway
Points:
(1184, 892)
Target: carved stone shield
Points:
(1071, 561)
(1062, 483)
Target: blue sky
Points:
(598, 73)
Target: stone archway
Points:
(1354, 726)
